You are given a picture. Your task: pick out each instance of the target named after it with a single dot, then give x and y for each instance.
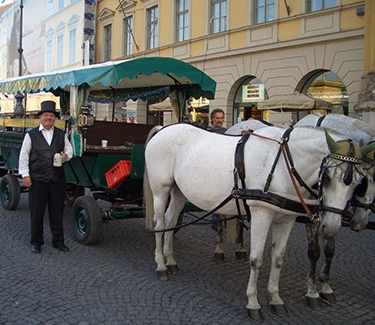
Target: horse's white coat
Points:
(186, 163)
(355, 129)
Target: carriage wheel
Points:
(87, 220)
(10, 192)
(72, 192)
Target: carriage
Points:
(112, 172)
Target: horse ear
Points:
(332, 145)
(368, 151)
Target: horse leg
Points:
(280, 236)
(160, 203)
(313, 253)
(326, 292)
(176, 205)
(260, 224)
(219, 229)
(241, 252)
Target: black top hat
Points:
(48, 106)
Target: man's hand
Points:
(27, 181)
(64, 157)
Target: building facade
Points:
(57, 34)
(63, 34)
(254, 49)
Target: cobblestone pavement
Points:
(114, 282)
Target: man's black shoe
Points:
(36, 249)
(61, 247)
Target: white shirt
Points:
(23, 164)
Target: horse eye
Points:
(361, 189)
(348, 175)
(326, 179)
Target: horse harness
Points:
(312, 210)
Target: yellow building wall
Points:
(139, 28)
(166, 22)
(289, 30)
(239, 13)
(240, 16)
(166, 52)
(199, 18)
(349, 2)
(369, 36)
(350, 20)
(238, 40)
(197, 48)
(295, 6)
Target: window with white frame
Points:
(153, 27)
(50, 7)
(219, 13)
(128, 38)
(61, 4)
(60, 50)
(107, 42)
(264, 11)
(313, 5)
(72, 45)
(49, 46)
(182, 20)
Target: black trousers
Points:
(40, 195)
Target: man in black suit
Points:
(44, 149)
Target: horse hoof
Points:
(219, 256)
(313, 303)
(240, 255)
(279, 309)
(255, 314)
(162, 275)
(328, 298)
(172, 269)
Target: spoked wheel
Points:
(87, 220)
(9, 192)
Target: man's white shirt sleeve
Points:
(23, 163)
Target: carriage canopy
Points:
(126, 74)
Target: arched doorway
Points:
(247, 93)
(326, 85)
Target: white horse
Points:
(185, 163)
(363, 198)
(360, 132)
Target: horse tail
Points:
(148, 201)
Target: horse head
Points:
(340, 174)
(363, 202)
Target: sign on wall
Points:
(252, 93)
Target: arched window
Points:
(326, 85)
(248, 94)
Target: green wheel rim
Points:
(82, 222)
